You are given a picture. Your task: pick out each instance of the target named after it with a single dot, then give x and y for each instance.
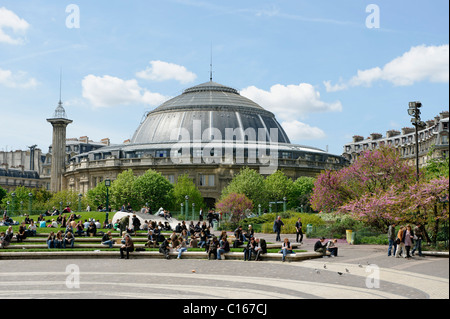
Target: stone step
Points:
(149, 254)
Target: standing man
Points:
(298, 227)
(392, 237)
(278, 223)
(418, 236)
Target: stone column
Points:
(59, 123)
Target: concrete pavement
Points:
(359, 272)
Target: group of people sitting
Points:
(23, 232)
(59, 240)
(322, 246)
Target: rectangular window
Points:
(161, 153)
(171, 178)
(207, 180)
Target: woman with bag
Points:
(401, 242)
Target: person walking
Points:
(278, 223)
(392, 242)
(299, 231)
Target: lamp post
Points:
(21, 207)
(79, 202)
(259, 209)
(284, 204)
(270, 207)
(181, 209)
(13, 195)
(60, 207)
(30, 203)
(186, 206)
(193, 211)
(7, 207)
(107, 184)
(414, 111)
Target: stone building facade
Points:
(433, 141)
(209, 132)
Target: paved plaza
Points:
(359, 272)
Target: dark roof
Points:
(212, 105)
(18, 173)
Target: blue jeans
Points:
(248, 254)
(181, 250)
(286, 252)
(392, 244)
(219, 252)
(70, 243)
(110, 243)
(417, 246)
(50, 244)
(57, 244)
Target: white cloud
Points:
(19, 79)
(290, 101)
(10, 21)
(298, 131)
(420, 63)
(163, 71)
(108, 91)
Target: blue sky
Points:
(316, 64)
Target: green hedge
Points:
(289, 219)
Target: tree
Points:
(429, 203)
(154, 189)
(301, 192)
(436, 167)
(185, 186)
(65, 198)
(250, 183)
(21, 195)
(235, 204)
(278, 186)
(97, 196)
(3, 193)
(122, 190)
(373, 172)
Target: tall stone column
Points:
(59, 122)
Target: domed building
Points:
(209, 132)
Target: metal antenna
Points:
(210, 67)
(60, 81)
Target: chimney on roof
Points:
(84, 139)
(407, 130)
(392, 133)
(105, 141)
(375, 136)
